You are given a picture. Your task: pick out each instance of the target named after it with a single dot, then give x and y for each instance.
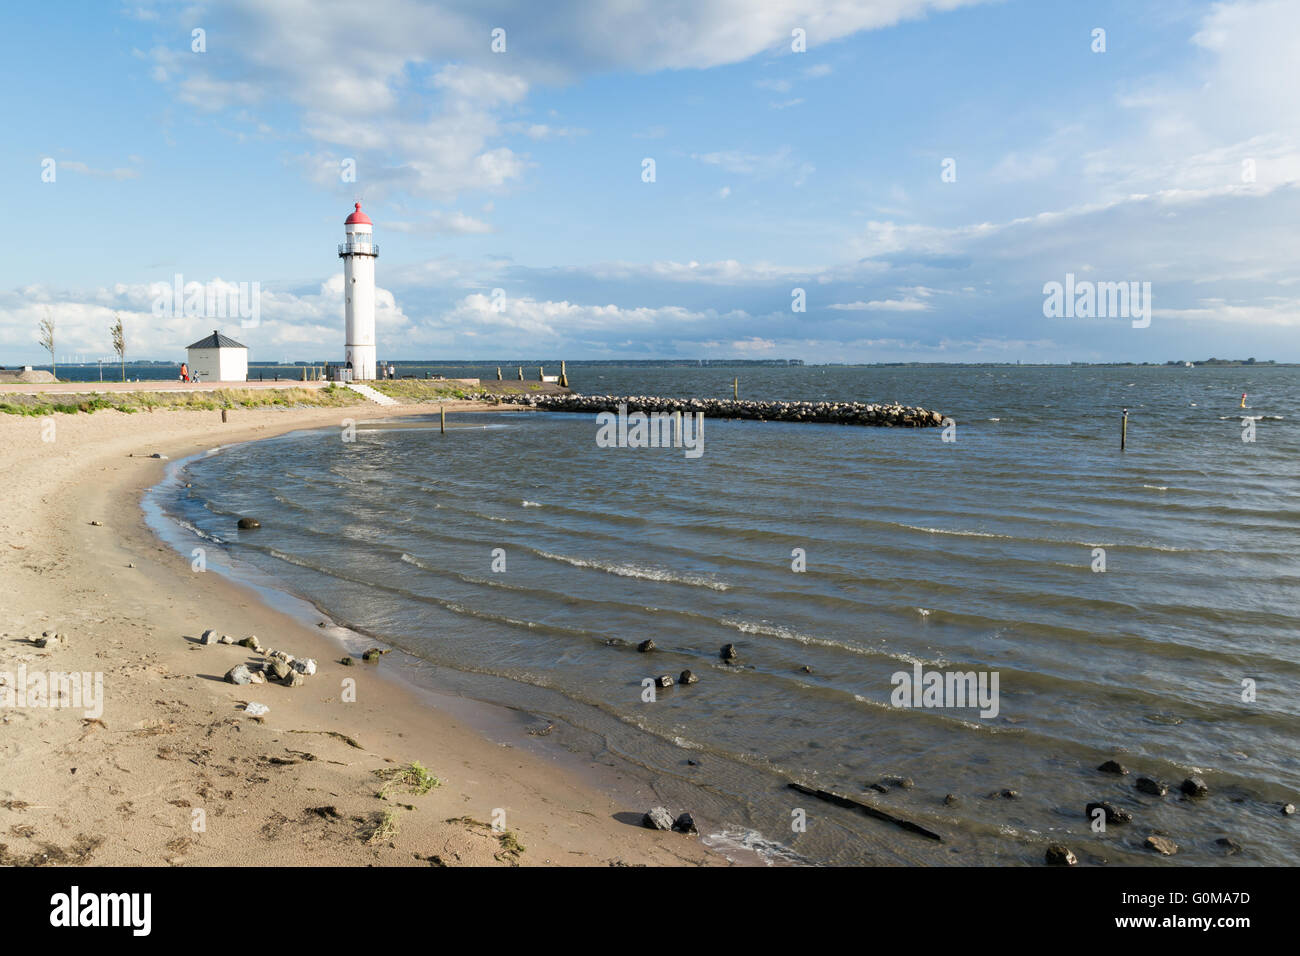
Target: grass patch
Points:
(385, 828)
(41, 405)
(413, 391)
(412, 778)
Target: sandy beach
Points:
(173, 771)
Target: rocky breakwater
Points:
(834, 413)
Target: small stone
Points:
(97, 524)
(688, 677)
(277, 668)
(1058, 855)
(905, 782)
(729, 652)
(658, 819)
(293, 679)
(1153, 787)
(225, 639)
(305, 666)
(1194, 787)
(345, 661)
(1288, 809)
(1113, 766)
(157, 455)
(646, 646)
(254, 709)
(1008, 794)
(257, 677)
(209, 637)
(1113, 814)
(664, 680)
(372, 655)
(951, 800)
(251, 642)
(247, 524)
(1162, 845)
(685, 823)
(239, 674)
(51, 640)
(1230, 846)
(806, 669)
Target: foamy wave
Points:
(751, 841)
(780, 632)
(1157, 487)
(644, 574)
(529, 504)
(960, 534)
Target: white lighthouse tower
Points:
(358, 253)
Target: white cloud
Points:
(883, 305)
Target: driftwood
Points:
(841, 801)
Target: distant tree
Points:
(47, 339)
(119, 343)
(1250, 361)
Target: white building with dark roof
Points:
(218, 359)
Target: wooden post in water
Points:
(442, 419)
(735, 388)
(564, 375)
(1123, 430)
(498, 373)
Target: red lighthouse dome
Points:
(357, 217)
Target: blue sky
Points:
(775, 170)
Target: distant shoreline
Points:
(704, 363)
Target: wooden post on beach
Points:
(498, 373)
(564, 375)
(1123, 430)
(442, 419)
(223, 416)
(735, 388)
(541, 373)
(521, 373)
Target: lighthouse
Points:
(358, 252)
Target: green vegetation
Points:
(48, 404)
(416, 390)
(413, 390)
(385, 828)
(414, 778)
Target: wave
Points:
(961, 534)
(644, 574)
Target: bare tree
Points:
(119, 343)
(47, 339)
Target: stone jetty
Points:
(835, 413)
